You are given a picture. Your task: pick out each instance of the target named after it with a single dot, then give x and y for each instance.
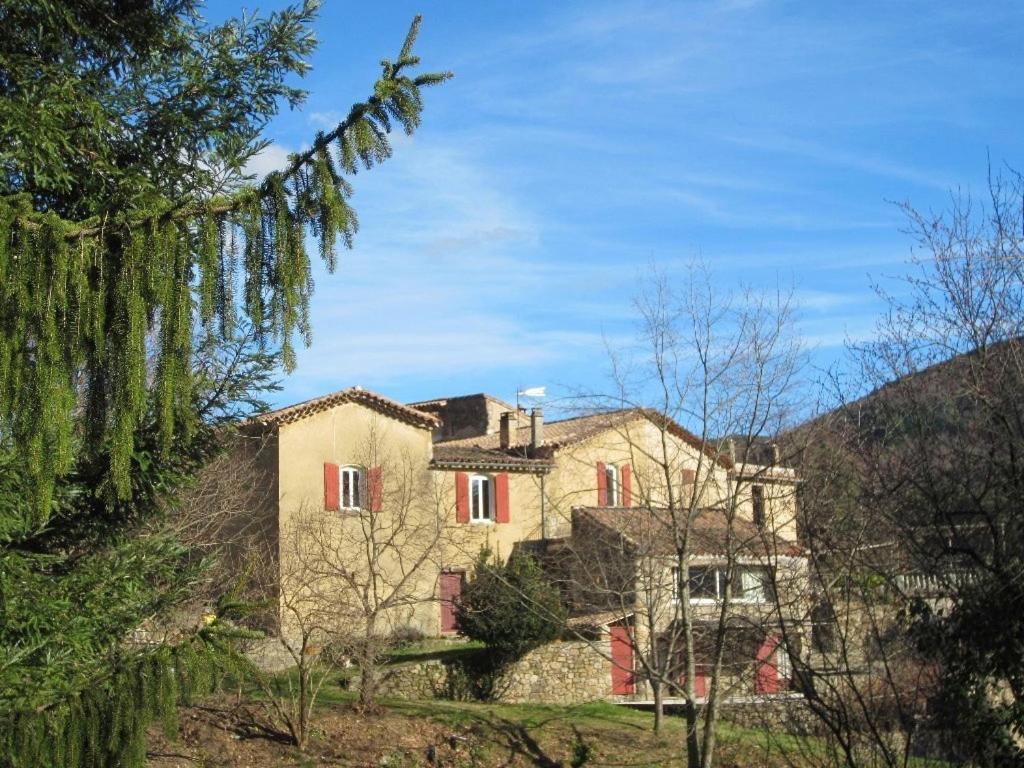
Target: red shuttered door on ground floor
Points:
(767, 677)
(622, 661)
(451, 591)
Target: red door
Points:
(766, 679)
(700, 682)
(622, 661)
(451, 591)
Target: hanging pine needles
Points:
(87, 307)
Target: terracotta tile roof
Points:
(597, 619)
(470, 457)
(574, 430)
(651, 530)
(440, 402)
(384, 405)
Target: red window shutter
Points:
(602, 485)
(627, 486)
(332, 500)
(375, 483)
(461, 497)
(501, 498)
(767, 677)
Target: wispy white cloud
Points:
(580, 142)
(865, 162)
(273, 157)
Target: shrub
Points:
(511, 608)
(406, 635)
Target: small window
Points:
(351, 487)
(704, 582)
(611, 485)
(750, 585)
(783, 663)
(757, 498)
(481, 499)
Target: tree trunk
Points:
(659, 704)
(692, 733)
(710, 724)
(367, 685)
(304, 707)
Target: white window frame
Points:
(356, 491)
(783, 664)
(720, 575)
(612, 485)
(764, 594)
(477, 514)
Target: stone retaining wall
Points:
(779, 712)
(569, 672)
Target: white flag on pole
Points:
(533, 392)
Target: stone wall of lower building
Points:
(428, 679)
(782, 712)
(569, 672)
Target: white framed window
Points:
(481, 499)
(751, 584)
(350, 487)
(611, 485)
(783, 663)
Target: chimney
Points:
(536, 428)
(507, 429)
(776, 455)
(730, 449)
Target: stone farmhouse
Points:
(426, 485)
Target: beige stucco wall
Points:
(353, 434)
(465, 540)
(648, 451)
(780, 486)
(573, 483)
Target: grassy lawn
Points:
(455, 733)
(599, 733)
(434, 648)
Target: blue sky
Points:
(581, 142)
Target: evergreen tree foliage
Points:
(148, 292)
(82, 299)
(510, 607)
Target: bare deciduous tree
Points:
(912, 503)
(350, 580)
(724, 367)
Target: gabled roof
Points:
(563, 432)
(379, 403)
(651, 532)
(470, 457)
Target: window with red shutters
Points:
(332, 500)
(461, 497)
(501, 498)
(375, 485)
(627, 485)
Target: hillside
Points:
(225, 733)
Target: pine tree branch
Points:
(392, 74)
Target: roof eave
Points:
(539, 468)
